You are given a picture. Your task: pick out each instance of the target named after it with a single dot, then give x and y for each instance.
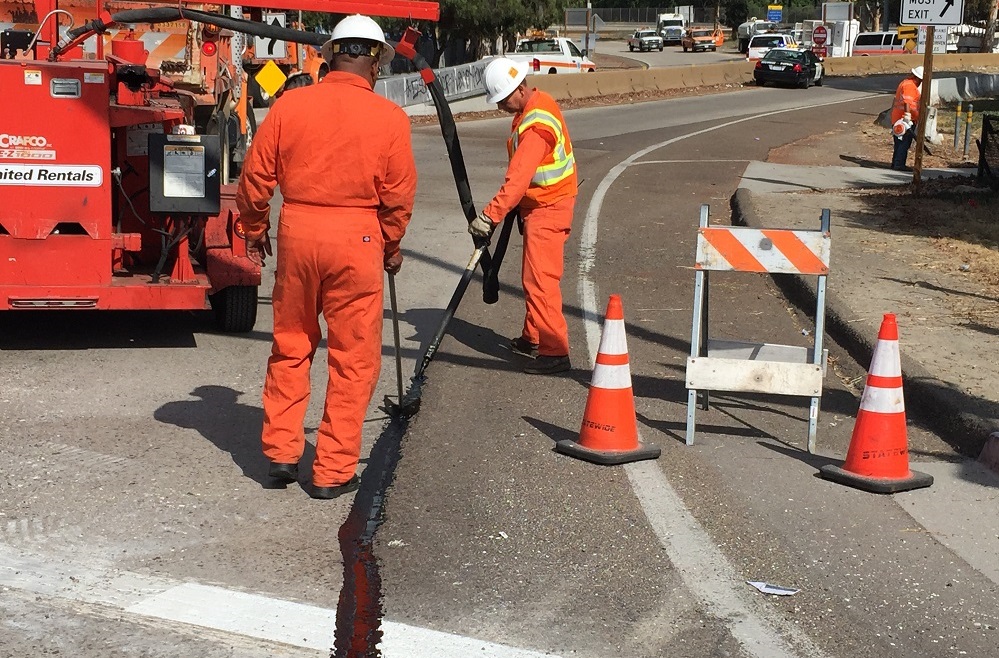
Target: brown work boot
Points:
(548, 365)
(521, 346)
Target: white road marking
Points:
(240, 613)
(704, 568)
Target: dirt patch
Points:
(950, 225)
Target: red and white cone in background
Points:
(878, 457)
(609, 434)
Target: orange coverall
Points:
(906, 100)
(538, 134)
(343, 158)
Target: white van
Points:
(878, 43)
(759, 44)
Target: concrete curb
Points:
(965, 431)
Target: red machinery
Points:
(107, 201)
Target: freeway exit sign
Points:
(932, 12)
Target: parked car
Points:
(878, 43)
(645, 40)
(761, 43)
(702, 39)
(790, 66)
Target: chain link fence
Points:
(576, 17)
(988, 152)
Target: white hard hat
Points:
(359, 28)
(918, 72)
(502, 77)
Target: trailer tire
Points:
(235, 309)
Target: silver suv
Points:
(645, 40)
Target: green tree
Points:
(465, 25)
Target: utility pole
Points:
(990, 30)
(586, 42)
(924, 104)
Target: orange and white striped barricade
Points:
(748, 367)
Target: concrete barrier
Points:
(458, 82)
(628, 81)
(606, 83)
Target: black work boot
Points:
(284, 472)
(522, 347)
(329, 493)
(548, 365)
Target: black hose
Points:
(169, 14)
(490, 282)
(450, 133)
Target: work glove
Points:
(481, 226)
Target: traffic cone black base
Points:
(607, 457)
(916, 480)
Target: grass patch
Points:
(946, 115)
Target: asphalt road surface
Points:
(136, 518)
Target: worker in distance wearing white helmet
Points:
(541, 183)
(905, 117)
(344, 160)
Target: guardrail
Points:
(459, 82)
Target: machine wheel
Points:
(805, 83)
(818, 83)
(235, 308)
(259, 97)
(238, 143)
(552, 71)
(661, 48)
(631, 48)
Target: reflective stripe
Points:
(882, 400)
(611, 377)
(564, 164)
(553, 173)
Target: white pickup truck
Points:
(551, 55)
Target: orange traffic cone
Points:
(609, 434)
(878, 458)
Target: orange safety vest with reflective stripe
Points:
(555, 177)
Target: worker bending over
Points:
(343, 158)
(905, 112)
(541, 183)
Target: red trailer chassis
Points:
(87, 214)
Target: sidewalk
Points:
(951, 373)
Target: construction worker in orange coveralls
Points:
(343, 158)
(541, 182)
(905, 113)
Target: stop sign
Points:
(819, 35)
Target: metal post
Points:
(957, 126)
(967, 131)
(817, 348)
(299, 48)
(586, 41)
(924, 104)
(697, 332)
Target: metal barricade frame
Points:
(757, 367)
